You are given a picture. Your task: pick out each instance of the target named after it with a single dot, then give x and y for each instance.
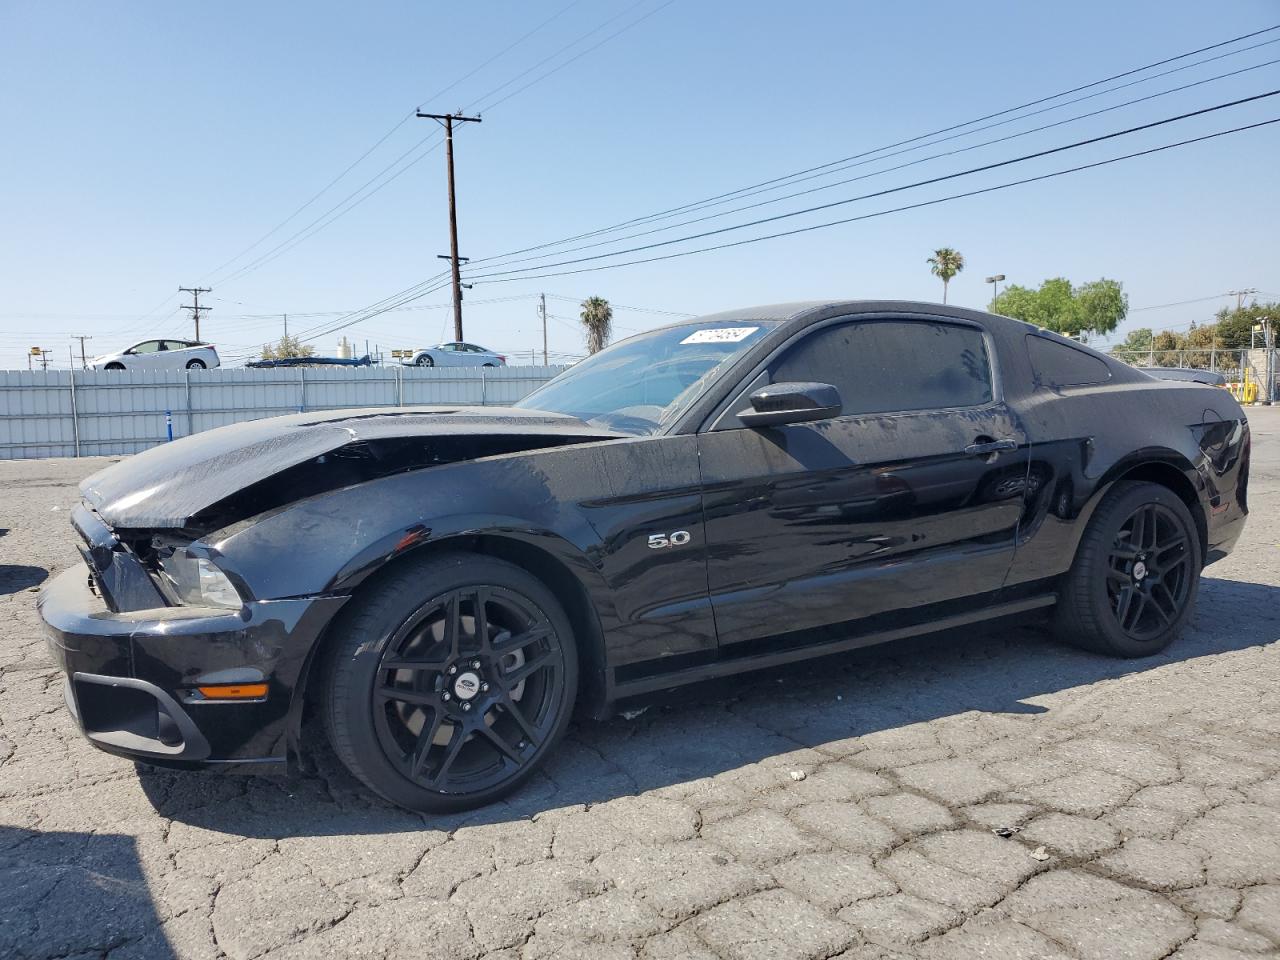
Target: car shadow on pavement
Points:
(72, 893)
(710, 728)
(15, 577)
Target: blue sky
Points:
(146, 144)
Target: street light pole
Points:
(995, 288)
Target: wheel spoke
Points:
(1164, 549)
(452, 624)
(530, 666)
(451, 751)
(415, 665)
(1135, 611)
(1168, 608)
(426, 740)
(482, 619)
(500, 742)
(1137, 530)
(1125, 600)
(509, 706)
(419, 698)
(519, 641)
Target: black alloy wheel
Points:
(452, 701)
(1149, 571)
(468, 689)
(1133, 584)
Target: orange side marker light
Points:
(235, 691)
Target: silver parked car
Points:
(457, 355)
(167, 354)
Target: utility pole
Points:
(542, 312)
(84, 362)
(1240, 295)
(286, 325)
(195, 307)
(448, 119)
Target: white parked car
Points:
(167, 354)
(457, 355)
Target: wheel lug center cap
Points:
(466, 685)
(1139, 571)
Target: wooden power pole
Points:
(448, 120)
(194, 306)
(542, 312)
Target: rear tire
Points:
(196, 365)
(450, 682)
(1134, 581)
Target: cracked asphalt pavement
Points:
(980, 794)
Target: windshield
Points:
(645, 382)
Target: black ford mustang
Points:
(444, 584)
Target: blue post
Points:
(168, 423)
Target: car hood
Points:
(167, 485)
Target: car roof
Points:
(814, 310)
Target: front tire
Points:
(114, 366)
(425, 361)
(1134, 581)
(450, 682)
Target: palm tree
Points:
(946, 263)
(597, 317)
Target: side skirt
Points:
(728, 667)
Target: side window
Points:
(147, 346)
(1059, 365)
(883, 366)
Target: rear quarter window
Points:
(1060, 365)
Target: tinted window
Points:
(887, 365)
(147, 346)
(1059, 365)
(648, 380)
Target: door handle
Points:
(980, 449)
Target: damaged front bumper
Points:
(132, 678)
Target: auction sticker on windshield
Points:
(720, 335)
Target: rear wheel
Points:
(450, 682)
(195, 365)
(1134, 581)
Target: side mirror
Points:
(781, 403)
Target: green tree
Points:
(1166, 348)
(945, 264)
(1096, 307)
(1235, 327)
(1135, 347)
(597, 318)
(287, 347)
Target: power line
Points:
(383, 139)
(879, 193)
(876, 173)
(911, 140)
(353, 200)
(912, 206)
(1179, 303)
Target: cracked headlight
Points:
(198, 582)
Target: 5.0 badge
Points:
(676, 538)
